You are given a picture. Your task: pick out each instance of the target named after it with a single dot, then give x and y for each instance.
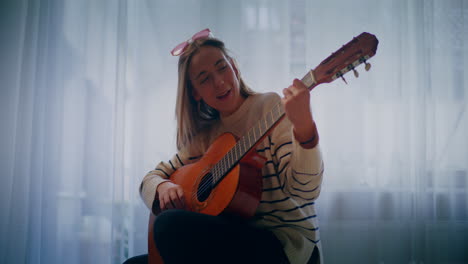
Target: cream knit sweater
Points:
(292, 177)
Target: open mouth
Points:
(224, 95)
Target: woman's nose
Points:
(219, 80)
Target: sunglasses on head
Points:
(180, 49)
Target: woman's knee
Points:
(167, 219)
(168, 223)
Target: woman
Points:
(213, 99)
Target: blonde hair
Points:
(195, 118)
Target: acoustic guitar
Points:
(227, 179)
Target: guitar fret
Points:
(269, 119)
(236, 157)
(227, 162)
(305, 79)
(217, 174)
(254, 133)
(224, 167)
(258, 132)
(230, 159)
(280, 110)
(214, 173)
(219, 170)
(251, 139)
(242, 147)
(309, 79)
(260, 125)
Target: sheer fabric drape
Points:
(87, 108)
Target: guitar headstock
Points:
(357, 51)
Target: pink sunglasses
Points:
(180, 49)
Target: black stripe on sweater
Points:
(272, 189)
(300, 190)
(287, 210)
(287, 154)
(180, 161)
(279, 160)
(308, 174)
(269, 141)
(282, 188)
(275, 201)
(313, 241)
(269, 175)
(280, 146)
(172, 165)
(303, 198)
(307, 182)
(284, 167)
(263, 149)
(165, 173)
(292, 220)
(313, 229)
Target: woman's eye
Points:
(204, 80)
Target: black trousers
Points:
(188, 237)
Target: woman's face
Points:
(214, 79)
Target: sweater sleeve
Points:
(300, 170)
(161, 174)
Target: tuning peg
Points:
(344, 80)
(356, 73)
(367, 66)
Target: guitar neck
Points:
(255, 135)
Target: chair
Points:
(153, 254)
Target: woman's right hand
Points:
(171, 196)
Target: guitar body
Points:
(238, 193)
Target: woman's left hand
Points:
(296, 102)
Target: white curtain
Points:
(87, 108)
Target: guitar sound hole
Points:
(205, 187)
